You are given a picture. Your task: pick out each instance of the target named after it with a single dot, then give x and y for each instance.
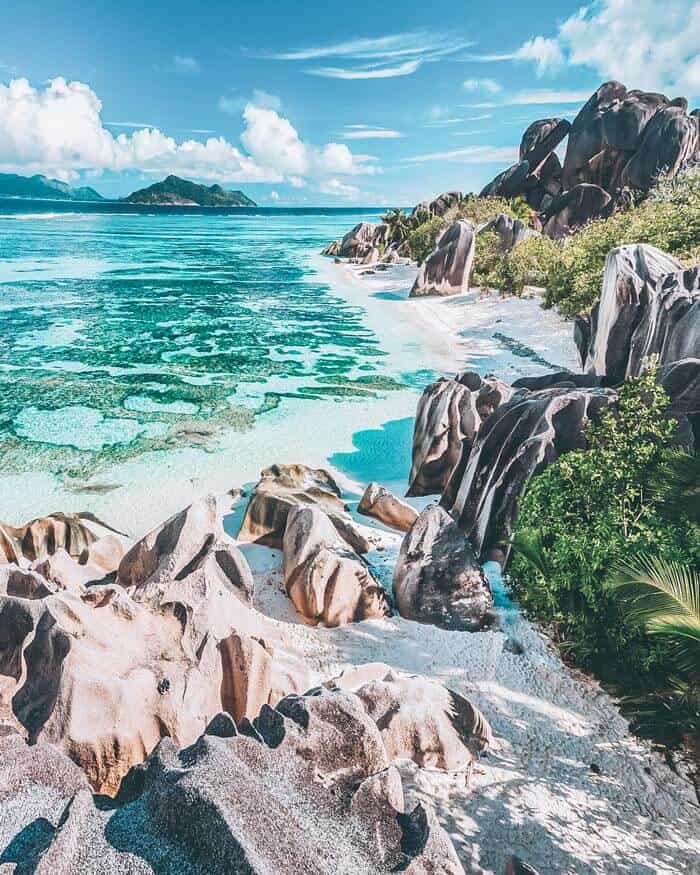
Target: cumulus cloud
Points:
(643, 43)
(233, 105)
(58, 130)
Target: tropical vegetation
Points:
(607, 547)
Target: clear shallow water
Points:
(127, 333)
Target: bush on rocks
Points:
(531, 261)
(586, 513)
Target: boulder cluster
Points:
(620, 141)
(477, 441)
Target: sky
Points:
(305, 103)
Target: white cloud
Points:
(58, 130)
(489, 86)
(233, 104)
(185, 64)
(338, 188)
(129, 125)
(644, 43)
(537, 97)
(369, 72)
(367, 132)
(470, 155)
(392, 55)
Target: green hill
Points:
(38, 186)
(173, 190)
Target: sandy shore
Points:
(568, 789)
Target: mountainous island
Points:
(38, 186)
(176, 191)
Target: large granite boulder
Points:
(447, 269)
(104, 674)
(439, 205)
(627, 138)
(284, 487)
(510, 231)
(447, 419)
(191, 542)
(541, 138)
(308, 787)
(362, 243)
(326, 581)
(41, 537)
(574, 208)
(510, 183)
(520, 438)
(437, 578)
(380, 504)
(430, 724)
(646, 307)
(670, 140)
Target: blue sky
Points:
(311, 103)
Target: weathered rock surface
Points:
(510, 183)
(104, 674)
(41, 537)
(447, 269)
(541, 138)
(379, 503)
(573, 208)
(520, 438)
(284, 487)
(509, 230)
(437, 578)
(448, 417)
(326, 581)
(428, 723)
(439, 205)
(319, 764)
(648, 305)
(361, 244)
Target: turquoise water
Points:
(123, 334)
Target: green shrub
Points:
(668, 219)
(490, 268)
(531, 262)
(479, 210)
(584, 515)
(422, 240)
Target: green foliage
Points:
(422, 240)
(668, 219)
(399, 225)
(531, 261)
(590, 511)
(490, 269)
(479, 210)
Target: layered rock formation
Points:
(320, 764)
(379, 503)
(439, 205)
(361, 244)
(447, 269)
(447, 419)
(649, 305)
(104, 674)
(521, 437)
(437, 578)
(326, 581)
(42, 537)
(619, 140)
(284, 487)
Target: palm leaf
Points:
(663, 597)
(676, 485)
(528, 543)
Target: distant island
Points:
(176, 191)
(41, 187)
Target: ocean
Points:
(141, 334)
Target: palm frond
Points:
(663, 597)
(676, 485)
(528, 543)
